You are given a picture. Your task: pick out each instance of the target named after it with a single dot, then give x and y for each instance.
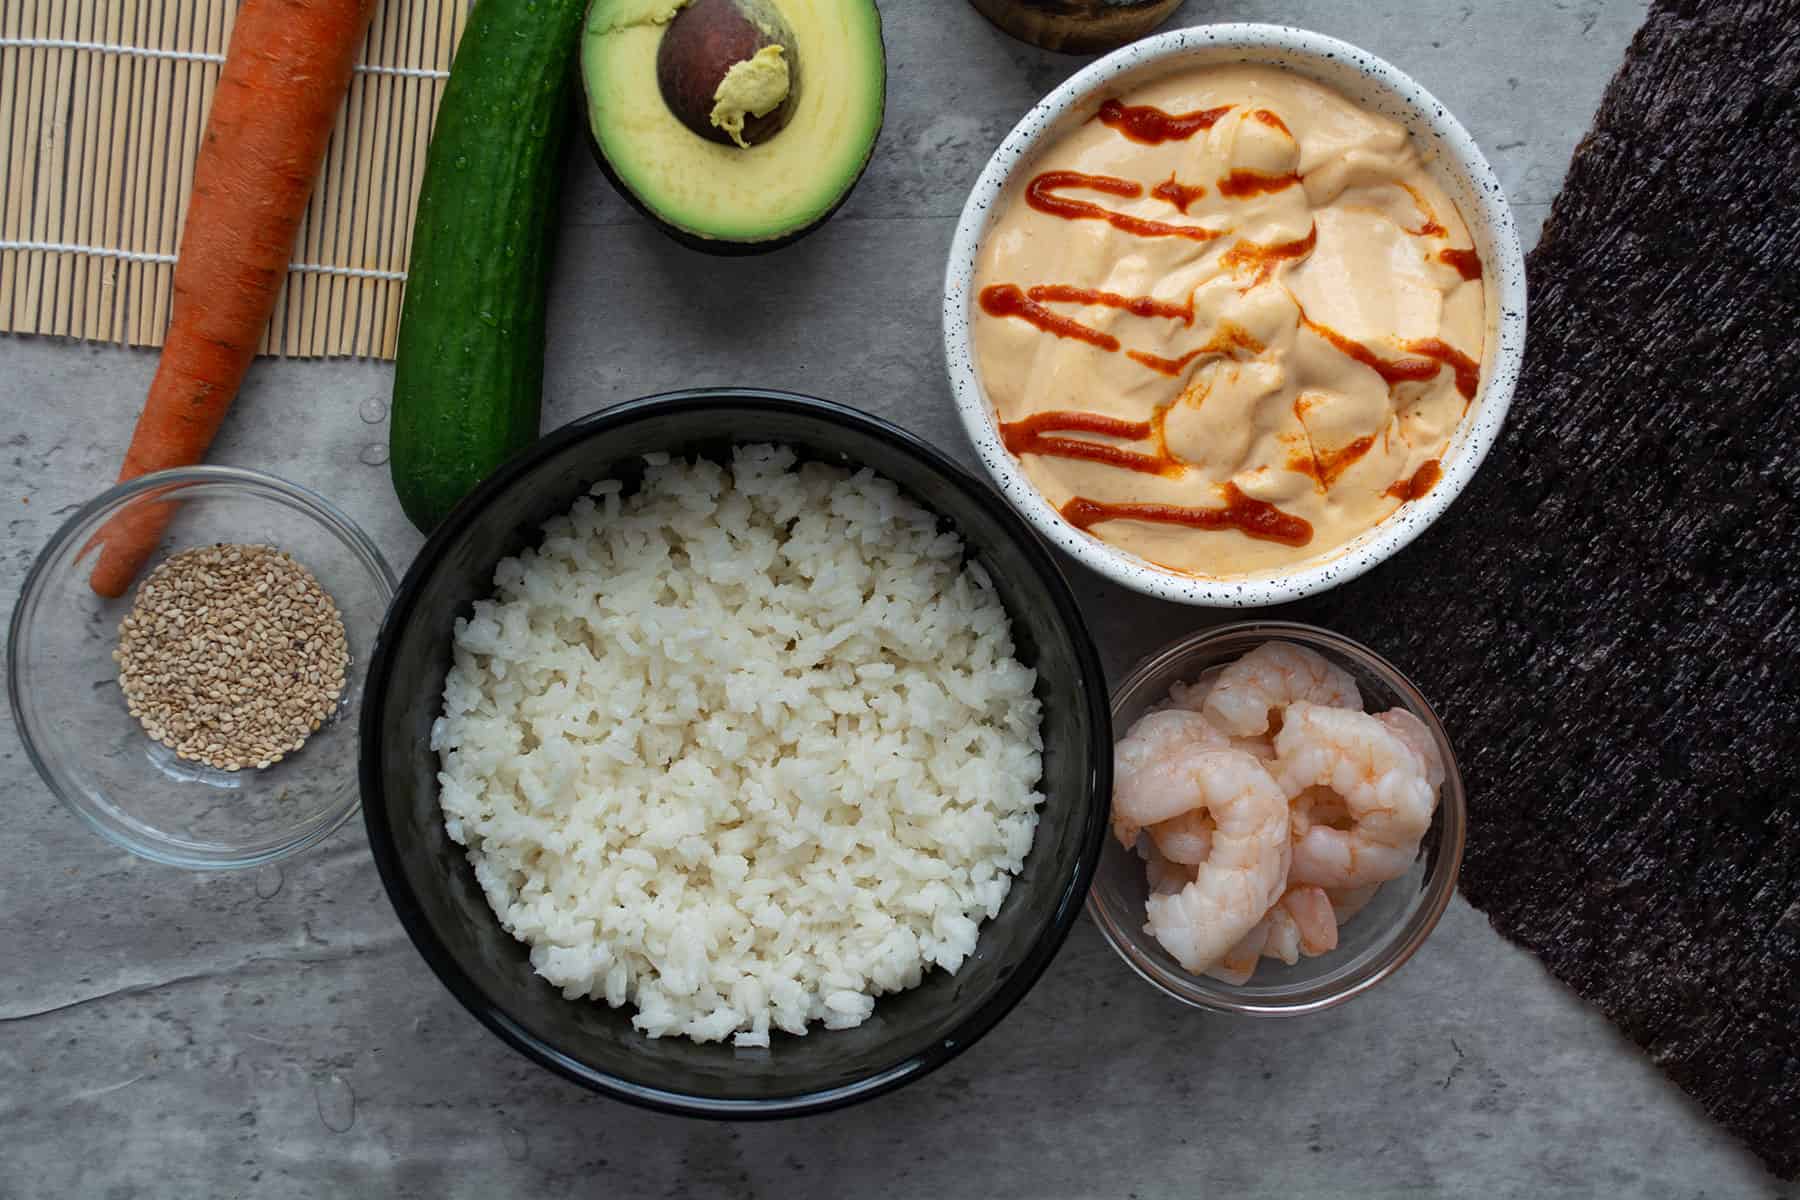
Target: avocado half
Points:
(642, 59)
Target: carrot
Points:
(284, 76)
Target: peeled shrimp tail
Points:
(1284, 936)
(1316, 923)
(1301, 922)
(1239, 963)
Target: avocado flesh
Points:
(723, 192)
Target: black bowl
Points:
(434, 890)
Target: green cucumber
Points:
(469, 365)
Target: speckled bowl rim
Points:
(1479, 197)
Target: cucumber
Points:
(469, 363)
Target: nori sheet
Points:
(1607, 617)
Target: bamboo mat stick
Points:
(403, 179)
(118, 72)
(333, 180)
(23, 163)
(79, 189)
(9, 82)
(394, 90)
(32, 105)
(103, 107)
(12, 124)
(70, 77)
(43, 95)
(136, 198)
(369, 165)
(341, 201)
(410, 159)
(303, 311)
(45, 203)
(159, 218)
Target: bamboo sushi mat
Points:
(102, 104)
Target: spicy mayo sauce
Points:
(1229, 321)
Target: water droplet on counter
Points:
(517, 1143)
(268, 881)
(374, 454)
(336, 1103)
(373, 410)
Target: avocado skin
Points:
(718, 247)
(721, 247)
(1077, 26)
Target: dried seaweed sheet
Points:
(1607, 618)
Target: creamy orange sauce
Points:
(1229, 323)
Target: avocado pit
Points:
(728, 70)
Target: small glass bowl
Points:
(64, 689)
(1375, 942)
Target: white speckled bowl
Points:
(1451, 156)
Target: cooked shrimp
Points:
(1251, 692)
(1409, 729)
(1239, 963)
(1143, 791)
(1185, 839)
(1382, 784)
(1300, 923)
(1347, 902)
(1310, 910)
(1247, 869)
(1259, 747)
(1163, 875)
(1192, 696)
(1317, 806)
(1283, 940)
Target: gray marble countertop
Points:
(272, 1033)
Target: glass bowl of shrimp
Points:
(1288, 820)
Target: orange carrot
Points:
(285, 74)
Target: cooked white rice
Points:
(745, 749)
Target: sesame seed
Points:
(208, 620)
